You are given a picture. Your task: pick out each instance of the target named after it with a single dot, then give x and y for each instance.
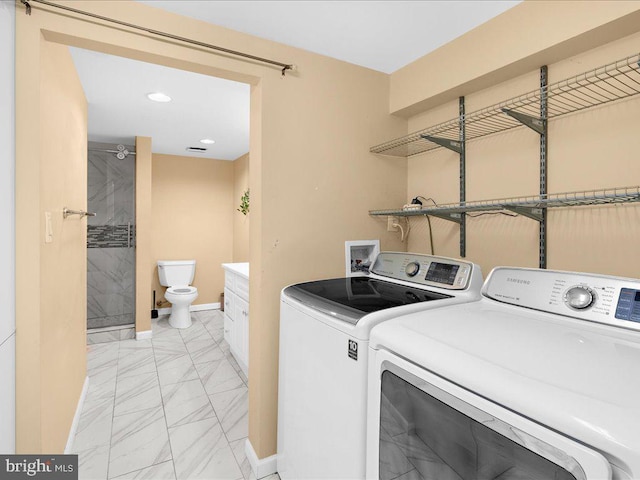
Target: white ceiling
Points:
(381, 35)
(202, 107)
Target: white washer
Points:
(324, 336)
(537, 380)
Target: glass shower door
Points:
(111, 236)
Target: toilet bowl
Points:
(177, 275)
(181, 298)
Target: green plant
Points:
(244, 202)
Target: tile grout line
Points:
(164, 413)
(216, 413)
(220, 422)
(113, 412)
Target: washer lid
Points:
(576, 377)
(350, 299)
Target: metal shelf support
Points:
(534, 123)
(444, 142)
(463, 177)
(543, 166)
(451, 217)
(534, 213)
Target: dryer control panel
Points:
(598, 298)
(442, 272)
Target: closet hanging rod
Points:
(284, 66)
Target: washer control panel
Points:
(628, 307)
(430, 270)
(598, 298)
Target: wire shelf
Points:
(605, 84)
(568, 199)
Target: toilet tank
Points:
(176, 272)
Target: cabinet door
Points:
(242, 329)
(229, 312)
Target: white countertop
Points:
(241, 269)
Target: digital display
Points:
(442, 273)
(628, 307)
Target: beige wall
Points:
(240, 221)
(534, 33)
(192, 218)
(592, 149)
(312, 178)
(145, 264)
(51, 277)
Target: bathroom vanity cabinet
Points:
(236, 312)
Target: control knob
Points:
(579, 297)
(412, 269)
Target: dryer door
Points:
(424, 427)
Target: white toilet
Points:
(178, 275)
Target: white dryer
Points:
(324, 338)
(538, 380)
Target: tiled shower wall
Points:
(110, 238)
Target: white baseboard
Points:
(76, 417)
(144, 335)
(261, 467)
(192, 308)
(205, 306)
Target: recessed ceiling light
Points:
(207, 141)
(159, 97)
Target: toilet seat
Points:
(182, 290)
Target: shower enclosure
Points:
(111, 241)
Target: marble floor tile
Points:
(224, 346)
(233, 362)
(135, 362)
(161, 327)
(207, 316)
(138, 440)
(175, 369)
(94, 425)
(102, 383)
(160, 471)
(203, 351)
(244, 378)
(186, 402)
(238, 449)
(137, 392)
(93, 462)
(218, 376)
(101, 355)
(152, 383)
(273, 476)
(216, 331)
(167, 346)
(232, 410)
(202, 452)
(128, 346)
(128, 334)
(103, 337)
(195, 332)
